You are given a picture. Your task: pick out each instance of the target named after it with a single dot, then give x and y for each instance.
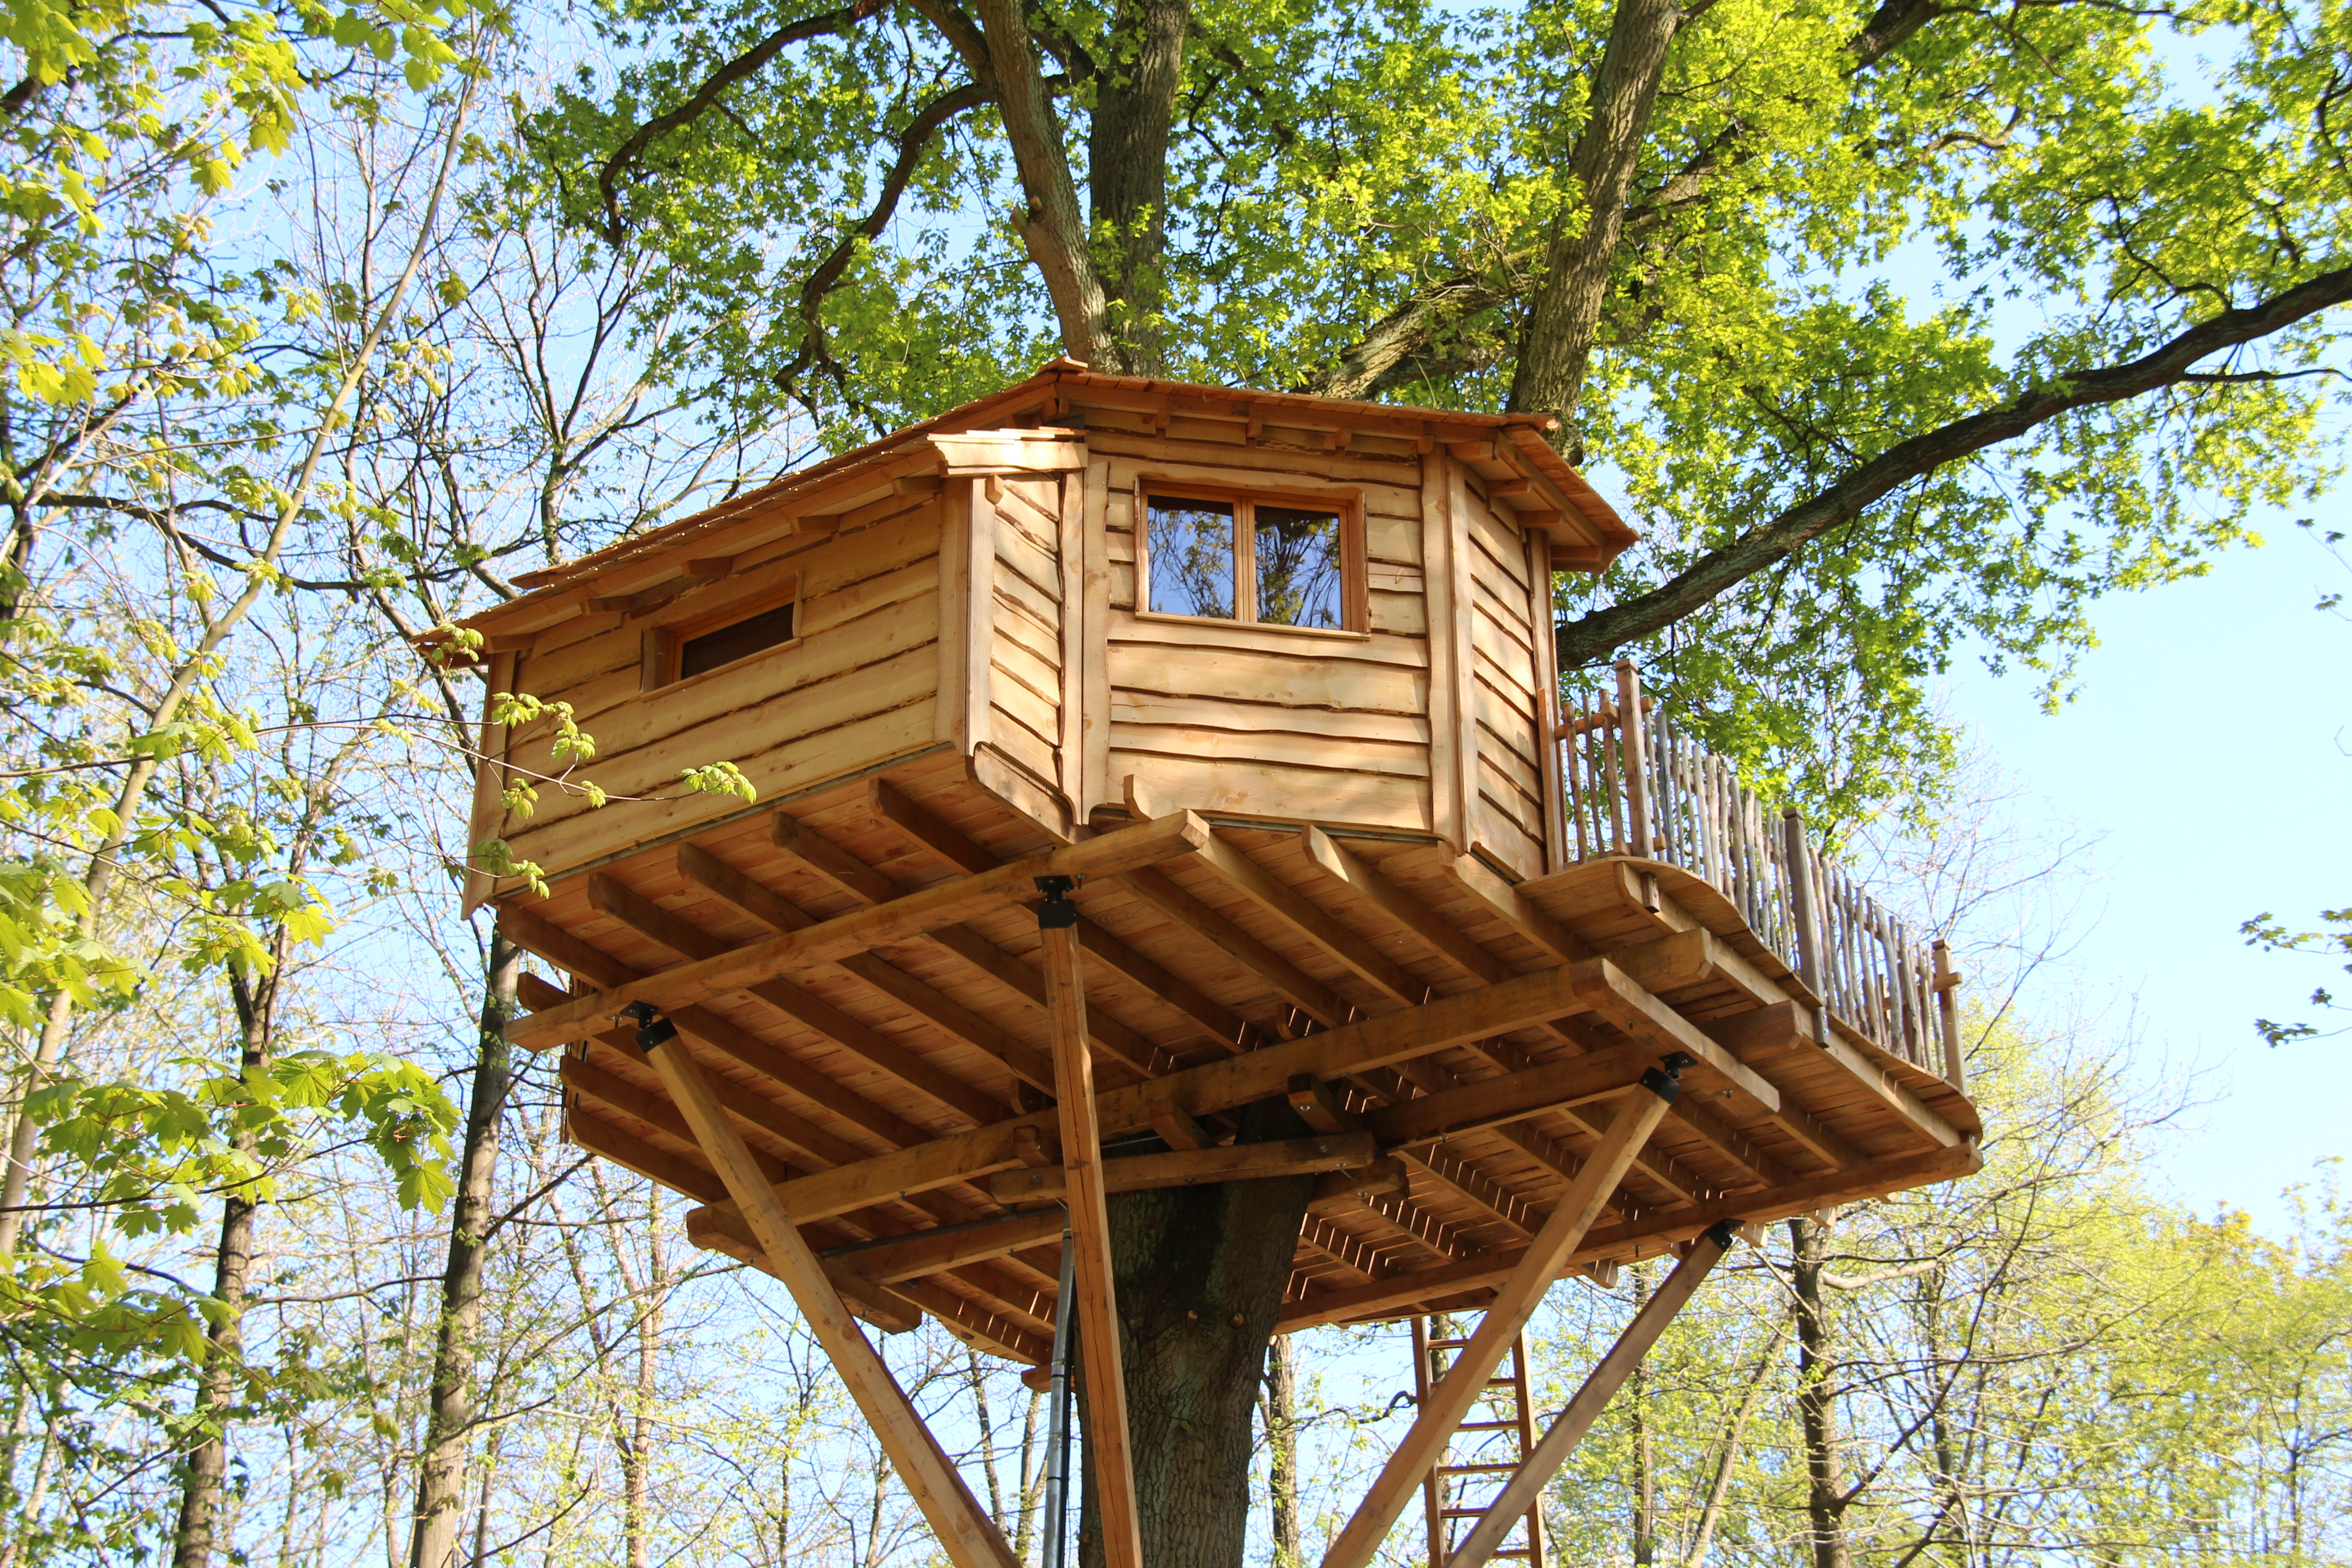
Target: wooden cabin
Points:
(1270, 678)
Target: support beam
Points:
(950, 1247)
(1542, 1262)
(1525, 1487)
(909, 915)
(1108, 1436)
(964, 1527)
(1188, 1167)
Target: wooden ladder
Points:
(1484, 1451)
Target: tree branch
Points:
(1392, 347)
(705, 97)
(1594, 638)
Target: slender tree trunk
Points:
(1645, 1474)
(1032, 1477)
(449, 1420)
(636, 1453)
(1817, 1395)
(1282, 1447)
(1199, 1273)
(221, 1368)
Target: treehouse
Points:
(1128, 756)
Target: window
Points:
(738, 639)
(763, 617)
(1282, 563)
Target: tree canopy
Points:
(1904, 332)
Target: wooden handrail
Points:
(1646, 790)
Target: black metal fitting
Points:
(1723, 1233)
(1675, 1061)
(653, 1029)
(1058, 912)
(1665, 1080)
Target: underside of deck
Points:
(857, 973)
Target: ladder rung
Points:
(1462, 1513)
(1447, 1344)
(1502, 1382)
(1487, 1427)
(1511, 1551)
(1474, 1470)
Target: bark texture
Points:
(1282, 1448)
(203, 1483)
(1817, 1395)
(1565, 312)
(1199, 1273)
(449, 1419)
(1127, 171)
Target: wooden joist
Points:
(1190, 1167)
(909, 915)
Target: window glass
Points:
(740, 640)
(1297, 566)
(1191, 547)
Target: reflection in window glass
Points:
(1191, 546)
(1297, 567)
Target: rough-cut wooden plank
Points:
(963, 1528)
(932, 1252)
(1293, 794)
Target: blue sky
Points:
(2210, 751)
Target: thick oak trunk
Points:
(1817, 1394)
(1199, 1273)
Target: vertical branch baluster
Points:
(1629, 730)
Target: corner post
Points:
(966, 1533)
(1093, 1305)
(1636, 751)
(1948, 1016)
(1799, 854)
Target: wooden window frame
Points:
(693, 615)
(1355, 596)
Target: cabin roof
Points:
(1523, 431)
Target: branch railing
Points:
(1633, 785)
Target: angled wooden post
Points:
(1109, 1443)
(968, 1535)
(1515, 1302)
(1527, 1483)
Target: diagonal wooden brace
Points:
(1109, 1440)
(1515, 1302)
(965, 1531)
(1527, 1483)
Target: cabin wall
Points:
(1261, 721)
(857, 686)
(1506, 599)
(1011, 537)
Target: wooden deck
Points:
(858, 972)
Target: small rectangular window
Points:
(1266, 562)
(737, 639)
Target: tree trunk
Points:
(219, 1371)
(1646, 1475)
(1564, 317)
(1199, 1273)
(441, 1468)
(1817, 1394)
(1127, 171)
(1282, 1447)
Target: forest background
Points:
(322, 324)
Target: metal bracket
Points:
(1665, 1080)
(1723, 1233)
(653, 1029)
(1058, 912)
